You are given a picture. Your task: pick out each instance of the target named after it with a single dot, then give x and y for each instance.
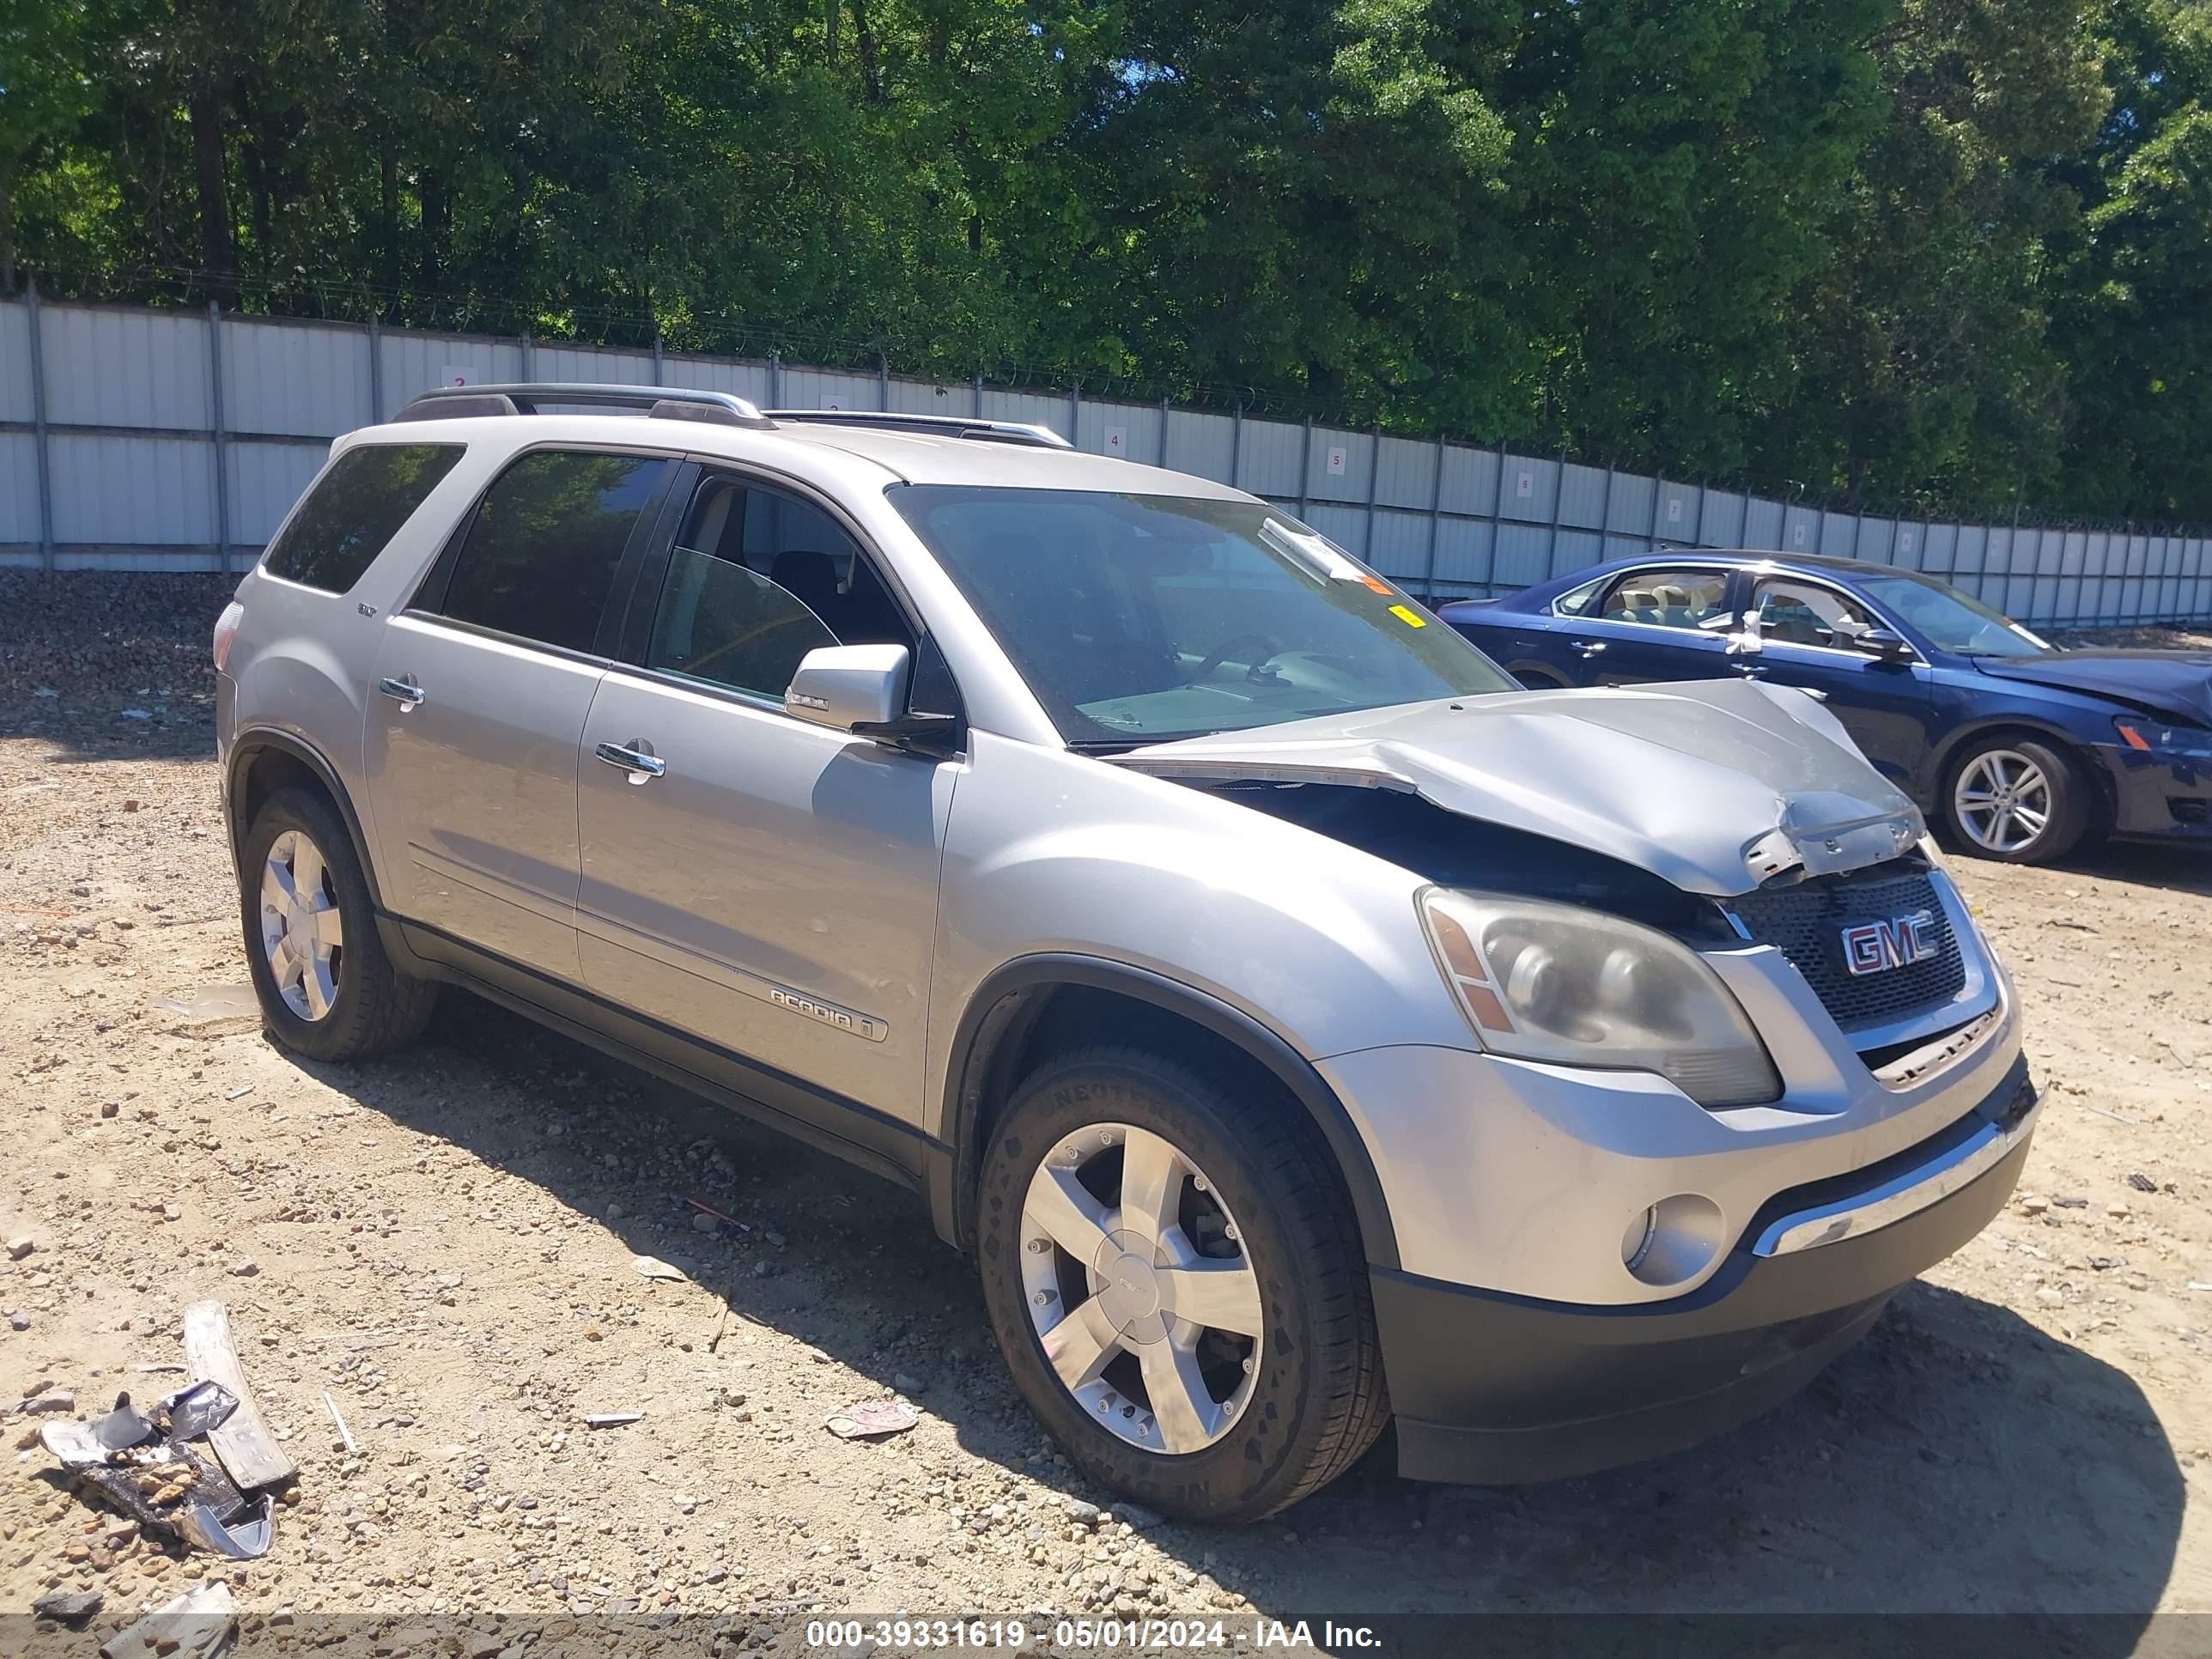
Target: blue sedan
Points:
(2019, 748)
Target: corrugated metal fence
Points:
(149, 440)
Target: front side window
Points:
(1670, 598)
(354, 509)
(541, 553)
(1809, 613)
(757, 579)
(1140, 618)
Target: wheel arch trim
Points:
(253, 741)
(992, 1014)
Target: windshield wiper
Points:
(1109, 745)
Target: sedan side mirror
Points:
(848, 688)
(1885, 645)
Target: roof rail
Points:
(947, 426)
(450, 402)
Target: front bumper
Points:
(2167, 795)
(1491, 1387)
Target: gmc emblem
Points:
(1875, 947)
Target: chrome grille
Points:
(1805, 923)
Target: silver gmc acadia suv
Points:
(1305, 1027)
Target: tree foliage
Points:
(1952, 250)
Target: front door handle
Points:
(1589, 647)
(636, 758)
(405, 692)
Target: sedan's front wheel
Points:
(1175, 1277)
(2018, 800)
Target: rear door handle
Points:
(636, 758)
(405, 692)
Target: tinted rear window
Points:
(541, 555)
(354, 508)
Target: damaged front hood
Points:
(2173, 685)
(1712, 785)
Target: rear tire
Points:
(2018, 800)
(1209, 1423)
(327, 989)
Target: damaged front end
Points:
(1725, 816)
(1713, 787)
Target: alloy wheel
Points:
(303, 932)
(2003, 800)
(1140, 1288)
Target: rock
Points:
(245, 1269)
(703, 1223)
(19, 1321)
(1137, 1516)
(70, 1609)
(1083, 1514)
(20, 1247)
(2117, 1209)
(907, 1384)
(54, 1399)
(2034, 1205)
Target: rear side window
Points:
(354, 508)
(1670, 598)
(541, 554)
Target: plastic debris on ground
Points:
(871, 1420)
(200, 1624)
(141, 1462)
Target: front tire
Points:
(1175, 1277)
(327, 989)
(2017, 800)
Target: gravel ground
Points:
(444, 1241)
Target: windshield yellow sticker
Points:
(1407, 616)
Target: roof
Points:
(830, 451)
(934, 457)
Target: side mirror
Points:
(1885, 645)
(849, 687)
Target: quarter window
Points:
(1810, 613)
(757, 579)
(541, 554)
(1575, 603)
(1670, 598)
(354, 509)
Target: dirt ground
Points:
(444, 1243)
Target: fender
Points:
(987, 1018)
(252, 742)
(1937, 764)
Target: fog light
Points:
(1674, 1241)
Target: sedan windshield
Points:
(1953, 621)
(1141, 618)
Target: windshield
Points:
(1142, 618)
(1953, 621)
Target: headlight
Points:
(1579, 987)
